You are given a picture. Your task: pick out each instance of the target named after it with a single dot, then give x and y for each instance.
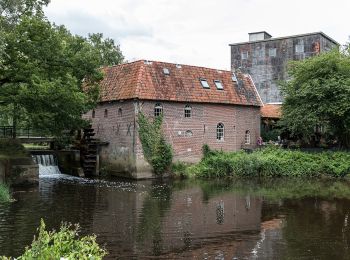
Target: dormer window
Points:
(218, 84)
(166, 71)
(204, 83)
(234, 78)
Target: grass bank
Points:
(4, 193)
(269, 162)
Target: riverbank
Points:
(268, 162)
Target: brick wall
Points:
(124, 152)
(203, 125)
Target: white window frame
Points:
(247, 139)
(244, 55)
(219, 84)
(272, 52)
(299, 48)
(220, 132)
(204, 83)
(158, 109)
(188, 111)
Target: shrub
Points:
(272, 162)
(155, 149)
(64, 244)
(4, 193)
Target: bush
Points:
(63, 244)
(4, 193)
(13, 148)
(272, 162)
(155, 149)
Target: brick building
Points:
(266, 58)
(199, 105)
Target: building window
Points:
(247, 137)
(299, 48)
(120, 112)
(244, 55)
(106, 112)
(93, 113)
(204, 83)
(188, 133)
(188, 111)
(272, 52)
(218, 84)
(158, 109)
(220, 132)
(166, 71)
(259, 53)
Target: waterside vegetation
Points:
(4, 193)
(62, 244)
(268, 162)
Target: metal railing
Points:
(7, 132)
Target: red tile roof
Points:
(271, 110)
(146, 80)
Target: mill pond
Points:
(246, 219)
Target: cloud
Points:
(198, 31)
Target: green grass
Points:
(4, 193)
(271, 162)
(37, 146)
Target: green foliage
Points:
(13, 148)
(272, 162)
(4, 193)
(63, 244)
(318, 94)
(155, 149)
(179, 168)
(48, 77)
(271, 135)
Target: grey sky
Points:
(197, 32)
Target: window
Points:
(299, 48)
(218, 84)
(220, 132)
(234, 78)
(93, 113)
(247, 137)
(272, 52)
(120, 112)
(188, 133)
(188, 111)
(244, 55)
(259, 53)
(106, 112)
(166, 71)
(158, 109)
(204, 83)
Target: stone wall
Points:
(267, 60)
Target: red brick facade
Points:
(236, 107)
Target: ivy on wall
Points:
(157, 152)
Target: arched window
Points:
(158, 109)
(106, 112)
(247, 137)
(220, 132)
(188, 111)
(93, 113)
(120, 112)
(188, 133)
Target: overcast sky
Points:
(197, 32)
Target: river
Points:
(249, 219)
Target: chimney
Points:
(258, 36)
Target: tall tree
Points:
(318, 94)
(44, 66)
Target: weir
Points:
(47, 164)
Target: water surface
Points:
(283, 219)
